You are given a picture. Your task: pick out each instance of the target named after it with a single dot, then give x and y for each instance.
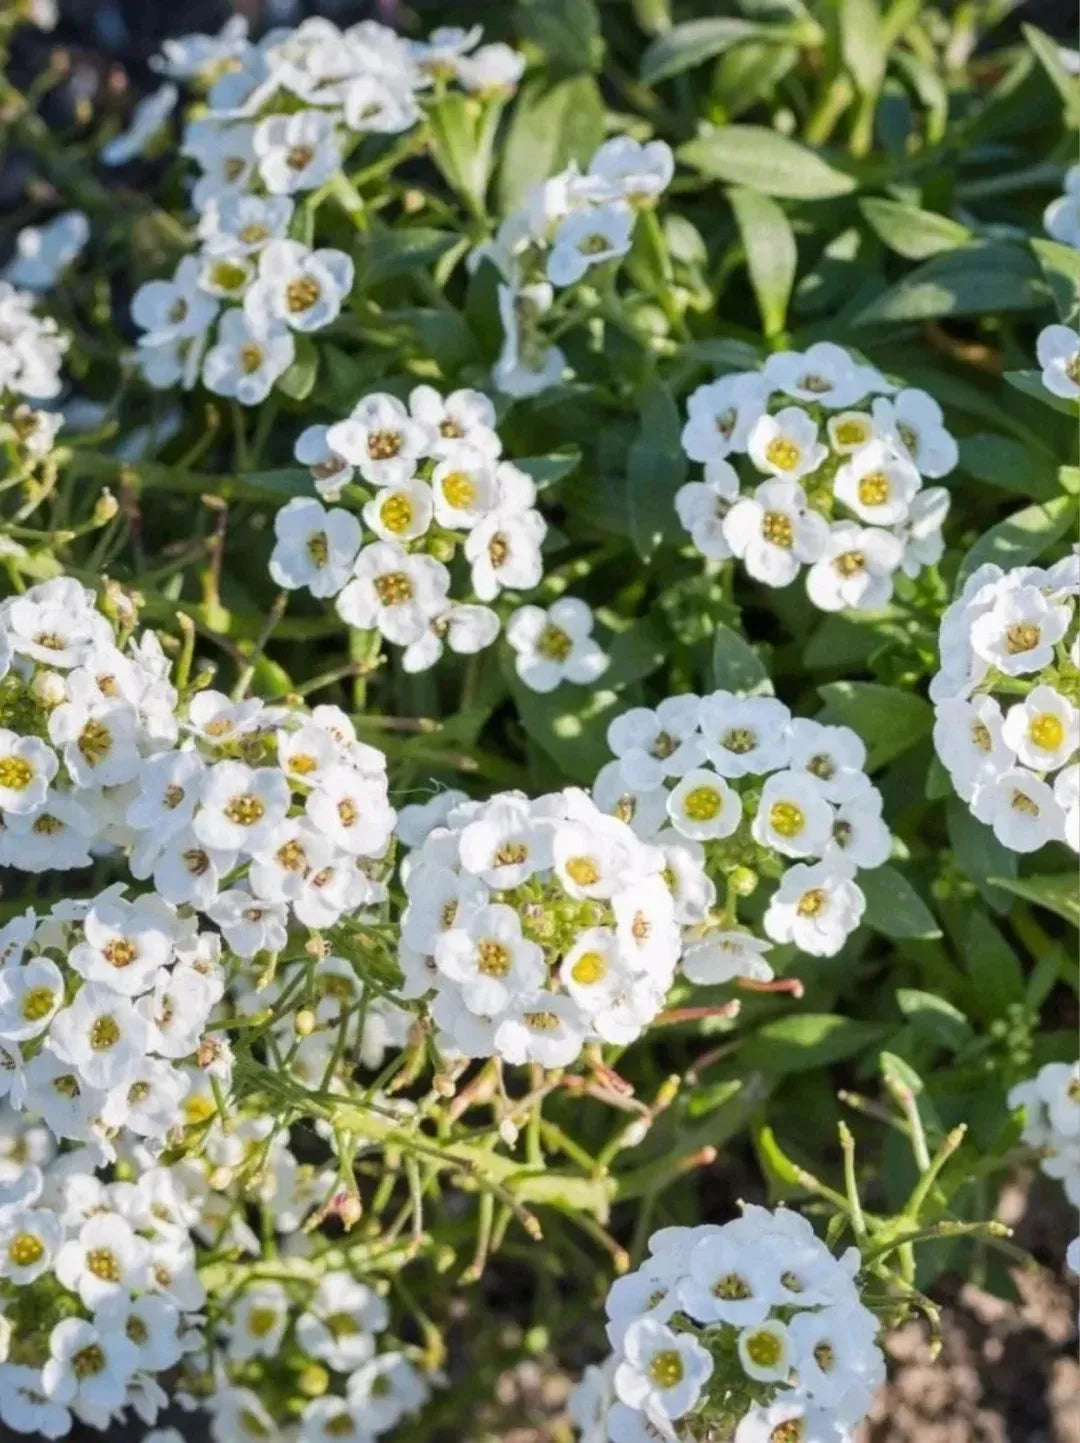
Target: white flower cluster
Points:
(247, 811)
(740, 787)
(539, 925)
(31, 347)
(1051, 1103)
(1014, 634)
(1058, 351)
(837, 457)
(569, 223)
(435, 482)
(101, 1296)
(282, 114)
(103, 1013)
(751, 1330)
(1062, 216)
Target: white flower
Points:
(642, 808)
(744, 734)
(817, 907)
(247, 361)
(1062, 216)
(30, 997)
(721, 415)
(54, 837)
(147, 119)
(43, 252)
(1058, 350)
(722, 956)
(724, 1282)
(24, 1406)
(1058, 1087)
(527, 364)
(652, 745)
(555, 645)
(393, 591)
(1019, 631)
(175, 309)
(385, 1390)
(88, 1366)
(824, 375)
(703, 806)
(241, 225)
(296, 152)
(586, 238)
(849, 431)
(924, 544)
(855, 569)
(1067, 796)
(27, 766)
(340, 1323)
(860, 838)
(351, 811)
(225, 154)
(702, 506)
(504, 551)
(169, 786)
(381, 439)
(329, 471)
(491, 68)
(315, 548)
(1021, 808)
(125, 944)
(913, 424)
(661, 1372)
(626, 169)
(237, 1413)
(877, 484)
(30, 1239)
(789, 1415)
(774, 532)
(838, 1361)
(101, 1035)
(105, 1261)
(490, 960)
(765, 1351)
(298, 286)
(786, 444)
(463, 628)
(834, 756)
(463, 418)
(1043, 729)
(793, 816)
(545, 1028)
(242, 807)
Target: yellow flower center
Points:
(542, 1021)
(849, 563)
(459, 490)
(89, 1361)
(778, 530)
(980, 736)
(261, 1321)
(732, 1288)
(301, 294)
(511, 854)
(786, 818)
(811, 902)
(589, 968)
(1021, 802)
(104, 1033)
(137, 1331)
(583, 871)
(394, 588)
(25, 1250)
(851, 432)
(251, 358)
(1047, 731)
(783, 453)
(764, 1348)
(228, 276)
(318, 548)
(95, 743)
(1022, 636)
(102, 1263)
(790, 1432)
(492, 958)
(38, 1003)
(120, 953)
(874, 490)
(396, 513)
(245, 810)
(498, 550)
(383, 445)
(16, 773)
(825, 1357)
(298, 156)
(666, 1368)
(703, 804)
(254, 233)
(554, 644)
(739, 740)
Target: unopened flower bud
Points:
(508, 1132)
(220, 1178)
(743, 881)
(49, 689)
(304, 1022)
(313, 1381)
(105, 508)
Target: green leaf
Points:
(1058, 893)
(569, 724)
(1049, 54)
(894, 908)
(736, 666)
(638, 651)
(978, 853)
(1030, 383)
(897, 1071)
(568, 31)
(1061, 267)
(656, 468)
(888, 719)
(862, 43)
(549, 470)
(696, 41)
(551, 126)
(298, 381)
(397, 252)
(805, 1041)
(771, 254)
(766, 162)
(910, 232)
(970, 281)
(1021, 538)
(1009, 465)
(996, 974)
(934, 1018)
(777, 1164)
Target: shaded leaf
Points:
(934, 1018)
(656, 468)
(771, 254)
(911, 232)
(736, 666)
(766, 162)
(1021, 538)
(888, 719)
(808, 1040)
(968, 281)
(894, 908)
(1058, 893)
